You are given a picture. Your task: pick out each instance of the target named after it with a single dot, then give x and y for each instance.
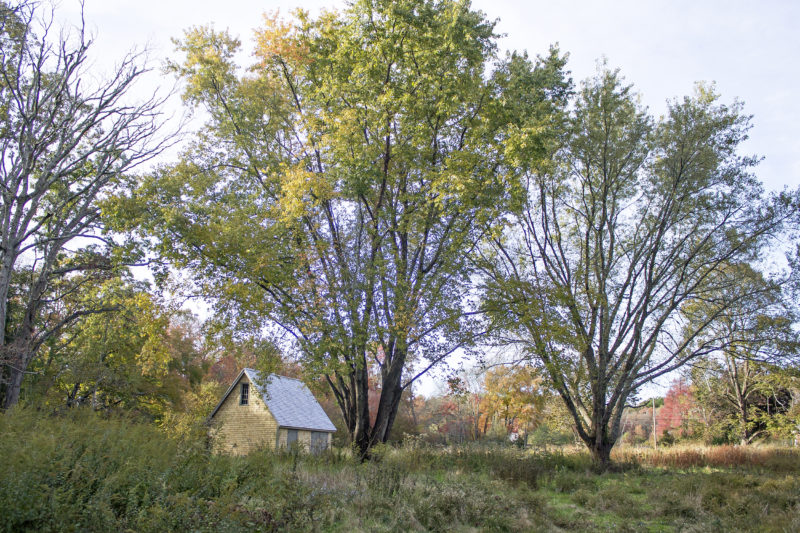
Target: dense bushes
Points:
(87, 473)
(90, 474)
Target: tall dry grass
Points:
(87, 473)
(771, 458)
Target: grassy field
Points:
(84, 473)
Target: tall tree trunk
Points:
(18, 356)
(361, 438)
(6, 356)
(5, 285)
(744, 414)
(13, 386)
(391, 391)
(605, 429)
(351, 389)
(352, 397)
(20, 351)
(601, 454)
(600, 441)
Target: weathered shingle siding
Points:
(240, 429)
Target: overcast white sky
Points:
(751, 49)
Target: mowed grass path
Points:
(84, 473)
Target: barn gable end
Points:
(240, 429)
(279, 410)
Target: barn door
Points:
(319, 441)
(291, 437)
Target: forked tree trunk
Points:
(352, 395)
(601, 455)
(350, 385)
(603, 433)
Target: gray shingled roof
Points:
(291, 403)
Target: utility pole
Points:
(655, 440)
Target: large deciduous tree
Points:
(632, 222)
(64, 137)
(340, 185)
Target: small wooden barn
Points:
(271, 413)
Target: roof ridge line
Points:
(278, 375)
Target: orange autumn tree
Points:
(515, 397)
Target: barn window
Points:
(245, 394)
(291, 437)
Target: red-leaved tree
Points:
(675, 412)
